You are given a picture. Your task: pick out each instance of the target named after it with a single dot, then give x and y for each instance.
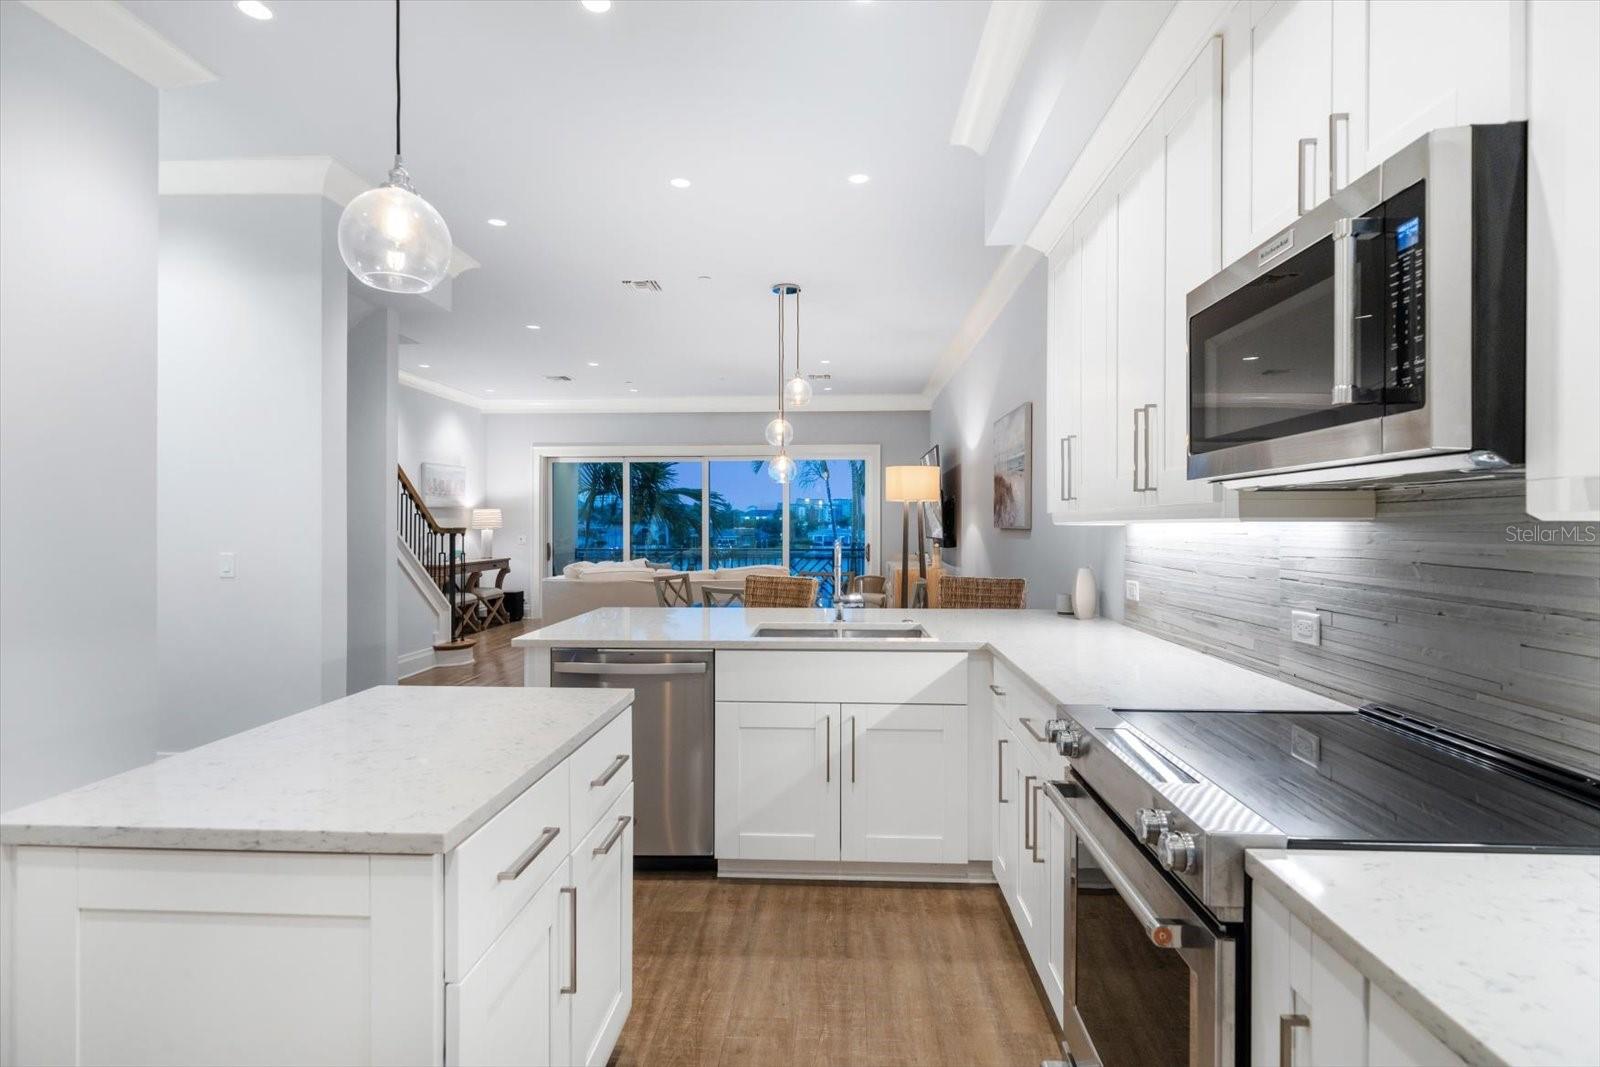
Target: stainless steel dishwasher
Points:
(673, 743)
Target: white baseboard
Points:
(416, 662)
(971, 873)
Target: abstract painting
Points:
(1013, 469)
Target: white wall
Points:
(1005, 369)
(251, 460)
(374, 576)
(78, 249)
(435, 430)
(901, 435)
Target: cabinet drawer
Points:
(601, 770)
(1022, 706)
(832, 677)
(492, 874)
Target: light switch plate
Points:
(225, 565)
(1130, 590)
(1305, 627)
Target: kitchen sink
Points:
(844, 631)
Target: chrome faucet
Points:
(841, 599)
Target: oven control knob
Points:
(1153, 822)
(1178, 853)
(1072, 742)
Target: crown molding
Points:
(321, 176)
(1007, 36)
(1009, 274)
(672, 405)
(120, 36)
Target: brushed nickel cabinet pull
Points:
(610, 772)
(1136, 448)
(1027, 724)
(827, 749)
(611, 839)
(1033, 802)
(1286, 1028)
(852, 750)
(1338, 161)
(1027, 787)
(1304, 203)
(572, 951)
(522, 862)
(1000, 772)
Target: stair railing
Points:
(439, 548)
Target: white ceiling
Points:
(569, 125)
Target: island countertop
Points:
(393, 769)
(1496, 954)
(1072, 661)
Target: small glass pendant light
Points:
(389, 237)
(780, 431)
(797, 393)
(781, 469)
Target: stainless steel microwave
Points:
(1387, 322)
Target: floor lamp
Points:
(911, 485)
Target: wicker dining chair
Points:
(872, 588)
(779, 591)
(674, 591)
(959, 592)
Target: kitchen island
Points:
(398, 877)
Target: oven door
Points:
(1148, 979)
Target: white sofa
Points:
(583, 587)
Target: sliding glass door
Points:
(690, 513)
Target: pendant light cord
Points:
(780, 354)
(797, 333)
(397, 79)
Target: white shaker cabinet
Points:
(891, 755)
(1004, 806)
(777, 790)
(601, 981)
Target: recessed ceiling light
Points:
(827, 388)
(679, 183)
(826, 362)
(534, 326)
(255, 9)
(593, 364)
(633, 390)
(488, 390)
(859, 179)
(424, 366)
(495, 222)
(1249, 359)
(598, 7)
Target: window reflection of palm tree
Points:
(658, 506)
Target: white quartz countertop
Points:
(1497, 955)
(1072, 661)
(394, 769)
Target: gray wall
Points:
(251, 459)
(78, 251)
(1005, 369)
(902, 436)
(1438, 607)
(435, 430)
(374, 576)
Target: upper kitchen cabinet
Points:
(1319, 92)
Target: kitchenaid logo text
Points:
(1564, 533)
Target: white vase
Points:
(1085, 595)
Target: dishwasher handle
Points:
(631, 669)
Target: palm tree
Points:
(658, 503)
(598, 483)
(811, 471)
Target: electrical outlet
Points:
(225, 565)
(1305, 627)
(1130, 590)
(522, 539)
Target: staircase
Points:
(431, 556)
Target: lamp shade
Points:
(487, 519)
(909, 484)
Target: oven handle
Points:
(1346, 232)
(1163, 933)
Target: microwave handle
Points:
(1346, 232)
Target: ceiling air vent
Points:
(558, 377)
(647, 285)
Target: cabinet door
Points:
(1064, 377)
(1004, 806)
(508, 1009)
(1420, 64)
(1054, 843)
(1100, 444)
(1280, 59)
(1029, 896)
(602, 900)
(1294, 972)
(1395, 1039)
(1191, 122)
(1140, 339)
(777, 768)
(903, 771)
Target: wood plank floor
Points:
(733, 972)
(837, 974)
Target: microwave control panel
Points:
(1406, 360)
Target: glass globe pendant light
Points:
(798, 391)
(391, 238)
(781, 469)
(780, 431)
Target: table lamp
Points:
(488, 520)
(911, 484)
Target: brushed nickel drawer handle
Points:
(1027, 789)
(1286, 1028)
(852, 750)
(997, 690)
(572, 951)
(1000, 772)
(610, 772)
(1027, 724)
(1033, 802)
(522, 862)
(611, 839)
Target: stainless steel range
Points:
(1161, 806)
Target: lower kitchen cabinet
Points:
(1309, 1001)
(602, 949)
(1003, 808)
(1029, 897)
(510, 1008)
(1054, 841)
(861, 783)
